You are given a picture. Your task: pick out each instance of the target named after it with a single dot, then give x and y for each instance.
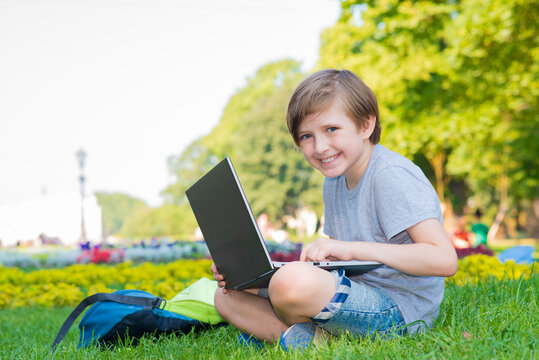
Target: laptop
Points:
(232, 234)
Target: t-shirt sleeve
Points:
(402, 200)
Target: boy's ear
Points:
(369, 126)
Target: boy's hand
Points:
(323, 249)
(219, 278)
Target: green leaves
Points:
(176, 221)
(253, 132)
(456, 80)
(116, 208)
(457, 83)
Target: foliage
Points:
(253, 132)
(154, 252)
(458, 83)
(116, 208)
(187, 168)
(229, 132)
(494, 50)
(397, 48)
(170, 220)
(274, 173)
(173, 252)
(477, 268)
(132, 218)
(68, 286)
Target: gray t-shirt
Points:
(392, 195)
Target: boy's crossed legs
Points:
(298, 292)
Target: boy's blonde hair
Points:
(318, 91)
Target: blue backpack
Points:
(131, 314)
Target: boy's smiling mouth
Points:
(329, 159)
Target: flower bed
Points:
(58, 258)
(68, 286)
(475, 268)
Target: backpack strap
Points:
(147, 302)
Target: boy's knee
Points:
(291, 283)
(299, 291)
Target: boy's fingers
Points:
(304, 251)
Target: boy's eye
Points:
(332, 129)
(305, 137)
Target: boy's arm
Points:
(431, 254)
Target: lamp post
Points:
(81, 158)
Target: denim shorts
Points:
(366, 311)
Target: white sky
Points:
(131, 81)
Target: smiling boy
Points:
(378, 206)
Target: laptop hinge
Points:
(250, 283)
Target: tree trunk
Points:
(504, 184)
(532, 220)
(437, 163)
(449, 217)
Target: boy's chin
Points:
(330, 173)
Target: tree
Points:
(228, 133)
(457, 83)
(277, 179)
(494, 47)
(398, 49)
(175, 221)
(253, 132)
(116, 208)
(187, 168)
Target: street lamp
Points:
(81, 158)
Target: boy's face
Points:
(332, 143)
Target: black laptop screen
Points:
(227, 225)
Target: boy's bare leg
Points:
(249, 313)
(298, 292)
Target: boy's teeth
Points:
(329, 159)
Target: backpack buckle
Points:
(159, 303)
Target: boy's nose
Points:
(321, 145)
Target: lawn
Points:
(492, 319)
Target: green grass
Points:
(495, 319)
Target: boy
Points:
(378, 206)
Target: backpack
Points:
(131, 314)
